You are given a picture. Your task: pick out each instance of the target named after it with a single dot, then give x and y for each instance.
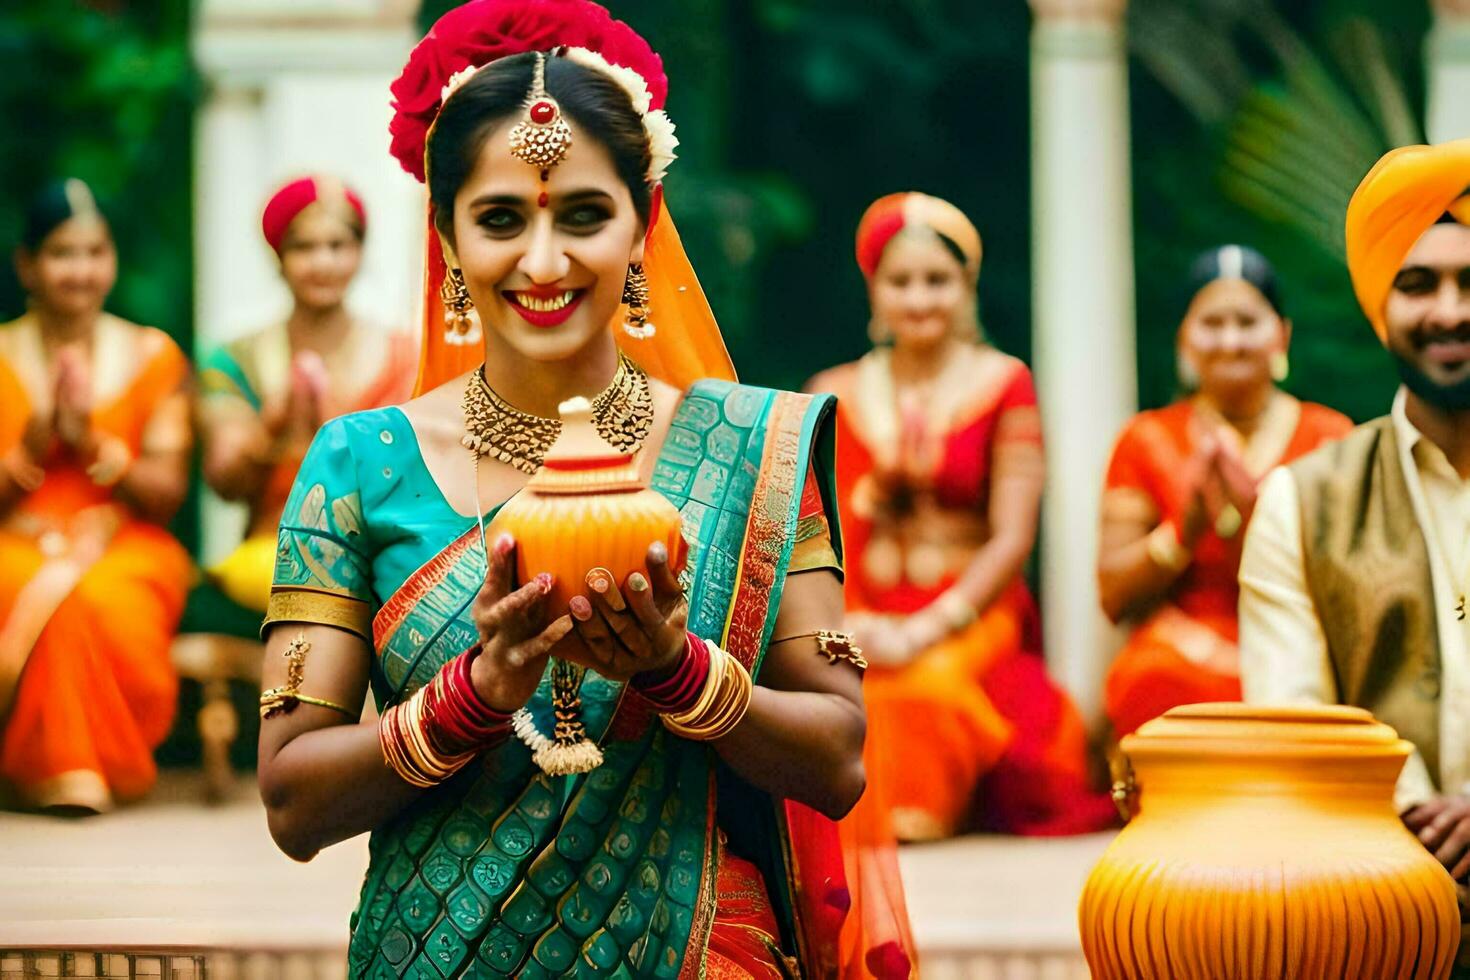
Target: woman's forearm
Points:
(1130, 579)
(329, 785)
(801, 745)
(154, 486)
(998, 562)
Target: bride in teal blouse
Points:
(680, 853)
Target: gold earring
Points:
(635, 297)
(461, 321)
(1280, 366)
(1187, 371)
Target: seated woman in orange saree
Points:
(265, 395)
(1181, 486)
(94, 442)
(939, 474)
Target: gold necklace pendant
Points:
(622, 413)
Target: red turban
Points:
(889, 215)
(286, 203)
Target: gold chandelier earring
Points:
(635, 297)
(461, 321)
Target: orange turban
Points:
(1405, 193)
(889, 215)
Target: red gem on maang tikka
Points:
(542, 137)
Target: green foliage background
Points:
(795, 114)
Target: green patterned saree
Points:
(503, 870)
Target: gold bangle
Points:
(1165, 549)
(407, 749)
(1228, 522)
(958, 612)
(722, 704)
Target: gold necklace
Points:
(622, 413)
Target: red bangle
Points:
(681, 690)
(455, 716)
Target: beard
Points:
(1451, 397)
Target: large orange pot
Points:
(1266, 846)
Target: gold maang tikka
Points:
(542, 138)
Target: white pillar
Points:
(1083, 334)
(1447, 64)
(296, 87)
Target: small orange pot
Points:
(588, 507)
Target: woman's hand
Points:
(515, 638)
(73, 395)
(638, 629)
(1234, 478)
(882, 638)
(1200, 490)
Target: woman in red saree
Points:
(939, 474)
(94, 440)
(1181, 486)
(265, 395)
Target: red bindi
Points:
(543, 200)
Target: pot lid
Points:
(1235, 727)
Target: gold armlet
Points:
(833, 645)
(722, 703)
(282, 700)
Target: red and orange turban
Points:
(1408, 190)
(889, 215)
(296, 196)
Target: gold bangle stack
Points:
(407, 749)
(722, 703)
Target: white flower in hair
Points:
(626, 78)
(456, 82)
(657, 125)
(661, 144)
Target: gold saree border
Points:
(298, 605)
(766, 529)
(696, 950)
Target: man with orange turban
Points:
(1356, 568)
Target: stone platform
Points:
(143, 892)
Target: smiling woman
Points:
(265, 394)
(1182, 485)
(680, 851)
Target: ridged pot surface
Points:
(568, 535)
(1266, 846)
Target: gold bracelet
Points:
(722, 704)
(1165, 549)
(832, 644)
(958, 612)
